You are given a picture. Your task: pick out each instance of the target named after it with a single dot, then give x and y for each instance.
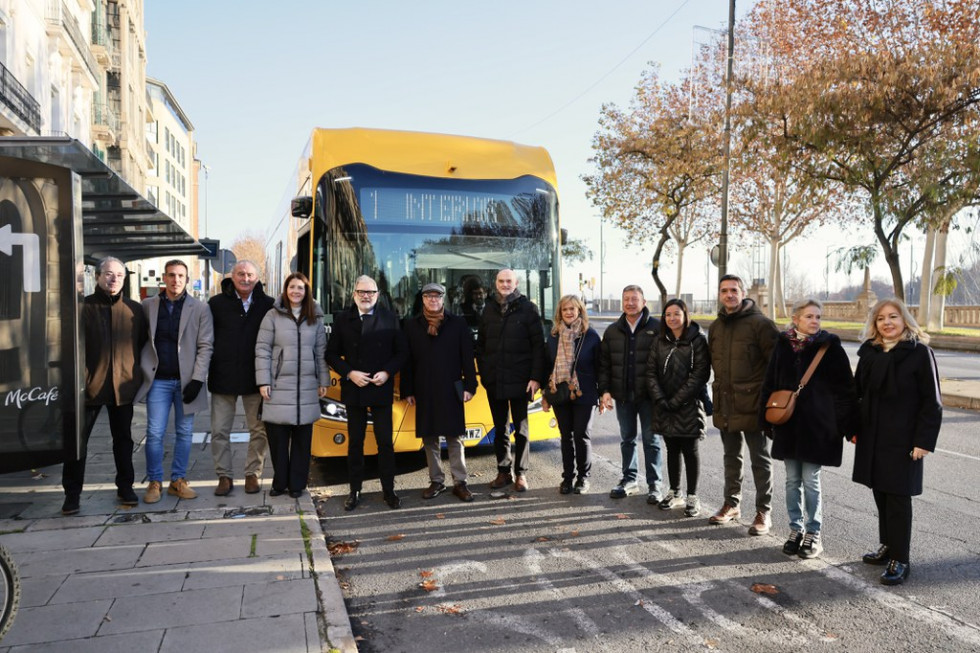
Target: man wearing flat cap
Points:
(439, 378)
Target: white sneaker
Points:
(693, 507)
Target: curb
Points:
(333, 610)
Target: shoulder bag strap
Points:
(813, 366)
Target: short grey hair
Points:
(365, 277)
(245, 261)
(108, 259)
(634, 288)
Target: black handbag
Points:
(562, 394)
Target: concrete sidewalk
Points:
(245, 572)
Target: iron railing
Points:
(15, 97)
(58, 14)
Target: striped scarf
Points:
(564, 370)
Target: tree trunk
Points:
(890, 250)
(937, 314)
(926, 283)
(655, 270)
(773, 274)
(680, 266)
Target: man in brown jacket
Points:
(741, 341)
(115, 332)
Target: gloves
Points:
(192, 390)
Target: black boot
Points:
(879, 557)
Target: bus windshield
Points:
(408, 230)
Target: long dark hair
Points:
(306, 311)
(663, 315)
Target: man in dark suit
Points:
(366, 348)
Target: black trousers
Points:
(356, 428)
(120, 425)
(895, 523)
(687, 448)
(575, 425)
(517, 408)
(289, 445)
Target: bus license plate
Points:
(473, 434)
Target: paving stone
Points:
(281, 598)
(147, 641)
(72, 538)
(61, 522)
(223, 573)
(81, 560)
(218, 548)
(283, 635)
(54, 623)
(38, 590)
(268, 525)
(175, 609)
(143, 533)
(121, 584)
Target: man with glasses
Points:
(439, 378)
(366, 348)
(115, 332)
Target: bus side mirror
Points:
(302, 206)
(562, 236)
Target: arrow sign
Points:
(32, 250)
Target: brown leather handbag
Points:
(781, 403)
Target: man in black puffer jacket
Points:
(622, 376)
(237, 312)
(510, 355)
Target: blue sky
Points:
(256, 77)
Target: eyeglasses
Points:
(366, 293)
(113, 275)
(432, 295)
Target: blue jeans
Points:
(163, 394)
(803, 488)
(627, 412)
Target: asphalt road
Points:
(546, 572)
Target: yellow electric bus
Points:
(407, 209)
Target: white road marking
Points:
(443, 572)
(532, 560)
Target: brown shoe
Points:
(761, 523)
(224, 487)
(520, 484)
(725, 515)
(152, 492)
(252, 484)
(180, 488)
(462, 492)
(503, 480)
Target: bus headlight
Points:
(333, 410)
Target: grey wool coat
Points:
(195, 342)
(289, 358)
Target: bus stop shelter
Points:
(61, 208)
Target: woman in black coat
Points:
(823, 417)
(573, 354)
(901, 412)
(677, 373)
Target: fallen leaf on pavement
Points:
(450, 609)
(421, 608)
(543, 538)
(574, 533)
(499, 521)
(763, 588)
(396, 537)
(425, 573)
(429, 585)
(711, 643)
(440, 516)
(622, 516)
(340, 548)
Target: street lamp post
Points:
(207, 262)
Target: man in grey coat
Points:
(175, 366)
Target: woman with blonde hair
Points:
(573, 351)
(824, 416)
(901, 413)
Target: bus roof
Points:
(433, 155)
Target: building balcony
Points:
(63, 27)
(16, 99)
(105, 124)
(102, 45)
